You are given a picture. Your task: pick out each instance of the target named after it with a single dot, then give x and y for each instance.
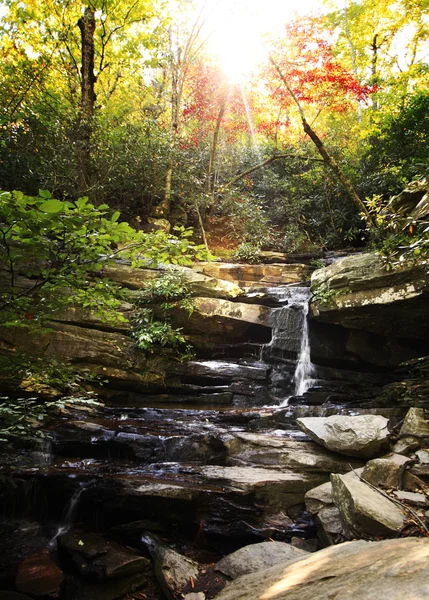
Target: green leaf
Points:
(115, 216)
(45, 194)
(51, 206)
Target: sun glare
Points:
(236, 28)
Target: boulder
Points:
(319, 497)
(256, 557)
(330, 526)
(358, 292)
(389, 472)
(173, 571)
(38, 575)
(414, 432)
(99, 558)
(394, 569)
(364, 511)
(363, 435)
(270, 450)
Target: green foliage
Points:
(61, 247)
(151, 335)
(248, 252)
(170, 288)
(397, 238)
(23, 417)
(39, 373)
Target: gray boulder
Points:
(257, 556)
(414, 432)
(389, 472)
(364, 511)
(173, 571)
(394, 569)
(362, 435)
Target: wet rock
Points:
(274, 489)
(270, 450)
(173, 571)
(195, 596)
(363, 435)
(364, 511)
(366, 570)
(216, 369)
(38, 575)
(257, 556)
(196, 448)
(81, 438)
(414, 432)
(99, 558)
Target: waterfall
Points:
(290, 342)
(69, 513)
(304, 368)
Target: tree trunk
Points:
(335, 167)
(374, 67)
(87, 28)
(327, 158)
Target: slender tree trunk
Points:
(352, 53)
(213, 149)
(327, 158)
(374, 67)
(87, 28)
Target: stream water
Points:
(206, 460)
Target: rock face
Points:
(364, 511)
(363, 435)
(256, 557)
(263, 275)
(357, 292)
(394, 569)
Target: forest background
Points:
(127, 103)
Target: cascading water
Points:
(290, 338)
(69, 513)
(304, 368)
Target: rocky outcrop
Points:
(366, 570)
(358, 292)
(200, 284)
(257, 275)
(362, 435)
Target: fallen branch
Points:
(267, 162)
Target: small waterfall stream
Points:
(290, 338)
(304, 368)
